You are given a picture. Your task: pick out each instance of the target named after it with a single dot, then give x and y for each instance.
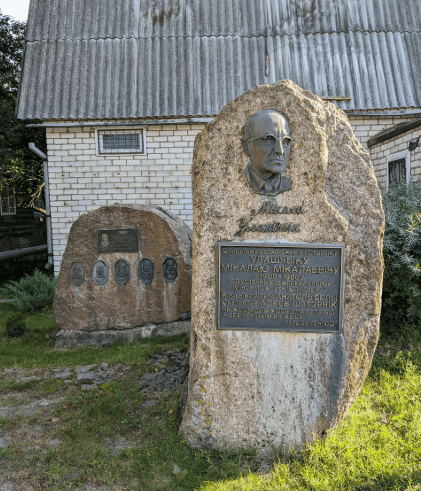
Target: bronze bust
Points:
(267, 143)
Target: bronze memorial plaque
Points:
(280, 287)
(120, 240)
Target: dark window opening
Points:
(397, 172)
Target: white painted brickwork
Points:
(81, 181)
(381, 151)
(368, 126)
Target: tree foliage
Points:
(402, 259)
(20, 169)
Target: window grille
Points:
(120, 141)
(7, 203)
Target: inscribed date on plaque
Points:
(122, 240)
(280, 287)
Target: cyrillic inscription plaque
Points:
(120, 240)
(280, 287)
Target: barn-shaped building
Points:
(123, 87)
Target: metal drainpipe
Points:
(44, 157)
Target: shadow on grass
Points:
(393, 353)
(36, 348)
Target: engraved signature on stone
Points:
(270, 208)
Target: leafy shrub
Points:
(402, 258)
(15, 326)
(31, 293)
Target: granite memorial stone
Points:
(129, 266)
(287, 272)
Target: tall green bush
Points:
(31, 293)
(402, 257)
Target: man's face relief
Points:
(268, 144)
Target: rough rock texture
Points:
(113, 305)
(282, 389)
(171, 370)
(65, 339)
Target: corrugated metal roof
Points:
(155, 77)
(94, 19)
(88, 59)
(376, 70)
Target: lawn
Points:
(115, 436)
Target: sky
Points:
(15, 8)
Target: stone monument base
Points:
(66, 339)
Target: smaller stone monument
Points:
(126, 269)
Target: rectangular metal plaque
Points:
(121, 240)
(280, 287)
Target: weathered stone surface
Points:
(26, 409)
(91, 296)
(65, 339)
(174, 368)
(4, 442)
(282, 389)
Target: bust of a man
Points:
(267, 143)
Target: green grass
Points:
(36, 348)
(376, 446)
(100, 416)
(14, 401)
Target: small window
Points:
(8, 202)
(121, 141)
(398, 169)
(397, 172)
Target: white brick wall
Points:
(367, 126)
(81, 181)
(381, 151)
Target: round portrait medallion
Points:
(77, 273)
(146, 270)
(100, 272)
(170, 269)
(122, 271)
